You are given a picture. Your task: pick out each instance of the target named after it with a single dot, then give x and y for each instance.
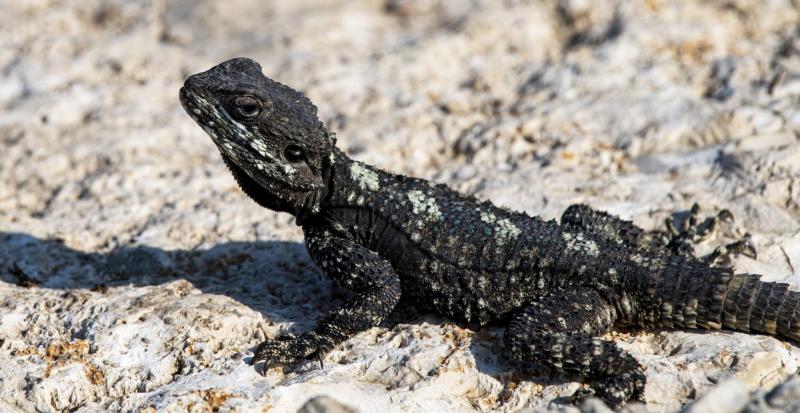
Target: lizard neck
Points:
(351, 183)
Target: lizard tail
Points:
(765, 307)
(713, 297)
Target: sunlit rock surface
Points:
(135, 275)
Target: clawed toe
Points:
(608, 392)
(263, 369)
(725, 215)
(581, 395)
(286, 351)
(682, 239)
(723, 253)
(618, 390)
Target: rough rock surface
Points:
(134, 275)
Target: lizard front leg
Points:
(350, 265)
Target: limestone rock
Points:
(135, 275)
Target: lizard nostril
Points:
(195, 86)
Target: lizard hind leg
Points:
(602, 224)
(559, 335)
(674, 239)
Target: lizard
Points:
(558, 287)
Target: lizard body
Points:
(557, 286)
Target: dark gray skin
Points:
(558, 287)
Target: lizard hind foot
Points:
(682, 238)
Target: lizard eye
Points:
(245, 108)
(293, 153)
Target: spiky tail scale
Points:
(764, 307)
(690, 294)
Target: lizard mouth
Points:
(191, 106)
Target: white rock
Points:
(730, 396)
(157, 277)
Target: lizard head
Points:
(268, 134)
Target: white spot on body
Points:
(579, 243)
(639, 259)
(365, 177)
(424, 205)
(487, 216)
(506, 230)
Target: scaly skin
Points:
(386, 236)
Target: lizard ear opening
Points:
(294, 153)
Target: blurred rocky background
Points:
(135, 275)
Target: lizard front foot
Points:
(614, 391)
(284, 351)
